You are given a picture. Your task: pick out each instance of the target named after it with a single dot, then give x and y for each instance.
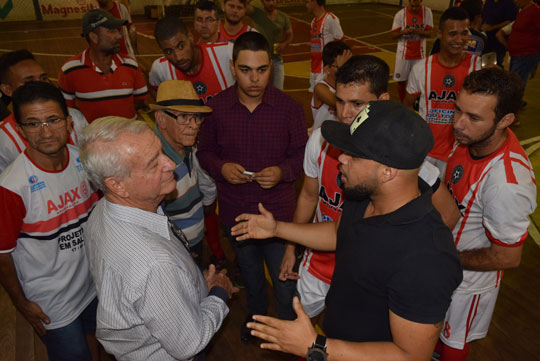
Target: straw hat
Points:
(179, 95)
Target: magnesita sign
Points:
(65, 9)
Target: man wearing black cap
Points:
(396, 263)
(98, 81)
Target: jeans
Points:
(278, 77)
(68, 343)
(251, 255)
(524, 66)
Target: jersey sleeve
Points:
(140, 90)
(506, 207)
(477, 62)
(429, 19)
(429, 173)
(311, 154)
(507, 29)
(154, 77)
(398, 20)
(79, 123)
(337, 32)
(414, 84)
(124, 13)
(68, 90)
(12, 213)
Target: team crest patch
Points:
(414, 19)
(79, 165)
(449, 81)
(35, 183)
(200, 87)
(457, 173)
(360, 118)
(398, 75)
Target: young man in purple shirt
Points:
(253, 146)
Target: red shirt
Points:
(525, 36)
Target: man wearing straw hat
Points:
(179, 115)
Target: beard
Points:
(359, 192)
(479, 141)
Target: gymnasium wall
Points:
(20, 10)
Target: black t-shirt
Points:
(405, 261)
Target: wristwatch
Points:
(317, 351)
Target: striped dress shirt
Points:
(153, 300)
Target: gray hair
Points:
(99, 157)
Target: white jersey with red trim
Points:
(323, 31)
(412, 47)
(437, 87)
(324, 111)
(213, 77)
(43, 230)
(120, 11)
(495, 194)
(12, 143)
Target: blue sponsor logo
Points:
(35, 183)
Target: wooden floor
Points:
(515, 330)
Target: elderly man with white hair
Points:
(154, 302)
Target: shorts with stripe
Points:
(312, 291)
(468, 317)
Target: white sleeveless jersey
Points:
(43, 230)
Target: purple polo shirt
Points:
(274, 134)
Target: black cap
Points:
(384, 131)
(100, 17)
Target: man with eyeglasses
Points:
(46, 200)
(206, 22)
(206, 66)
(191, 206)
(17, 68)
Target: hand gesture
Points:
(232, 172)
(219, 279)
(287, 336)
(342, 58)
(287, 264)
(257, 226)
(268, 177)
(34, 315)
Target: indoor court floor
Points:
(515, 328)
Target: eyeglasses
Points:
(51, 123)
(185, 118)
(204, 21)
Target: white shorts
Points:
(403, 68)
(312, 291)
(468, 318)
(441, 164)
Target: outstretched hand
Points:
(258, 226)
(287, 336)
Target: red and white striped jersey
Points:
(438, 87)
(213, 77)
(223, 34)
(323, 31)
(12, 143)
(42, 224)
(97, 94)
(495, 194)
(412, 47)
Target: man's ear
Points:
(69, 124)
(116, 187)
(233, 72)
(20, 130)
(93, 37)
(190, 37)
(388, 173)
(6, 89)
(506, 121)
(160, 120)
(384, 96)
(439, 34)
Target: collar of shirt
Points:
(269, 96)
(172, 153)
(117, 60)
(154, 222)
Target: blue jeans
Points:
(278, 76)
(68, 343)
(251, 255)
(524, 66)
